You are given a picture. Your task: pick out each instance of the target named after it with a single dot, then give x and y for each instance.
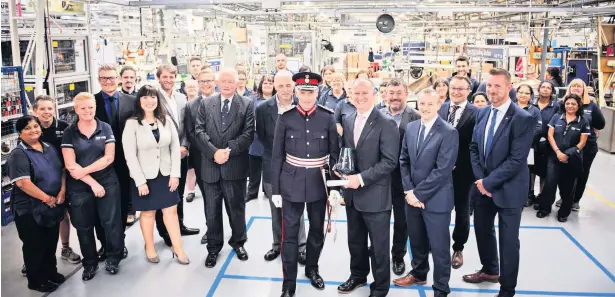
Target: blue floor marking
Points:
(421, 289)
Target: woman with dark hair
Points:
(480, 99)
(554, 76)
(266, 90)
(568, 134)
(151, 147)
(524, 96)
(34, 167)
(441, 87)
(88, 147)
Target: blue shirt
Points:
(116, 100)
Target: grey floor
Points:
(576, 258)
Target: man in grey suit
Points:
(375, 137)
(266, 119)
(224, 132)
(428, 155)
(174, 103)
(397, 92)
(207, 87)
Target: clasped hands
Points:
(562, 157)
(221, 155)
(481, 188)
(77, 172)
(413, 201)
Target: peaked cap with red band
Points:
(308, 81)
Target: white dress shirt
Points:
(359, 129)
(459, 112)
(428, 125)
(230, 100)
(498, 119)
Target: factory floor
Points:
(576, 258)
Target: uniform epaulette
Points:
(326, 108)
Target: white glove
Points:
(334, 197)
(277, 200)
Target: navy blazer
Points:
(465, 127)
(429, 171)
(256, 148)
(504, 172)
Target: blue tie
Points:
(421, 138)
(491, 132)
(225, 111)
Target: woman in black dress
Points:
(151, 148)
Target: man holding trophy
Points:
(305, 144)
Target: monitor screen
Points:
(561, 92)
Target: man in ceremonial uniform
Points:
(305, 143)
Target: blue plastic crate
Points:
(7, 211)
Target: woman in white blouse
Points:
(151, 148)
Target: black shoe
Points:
(57, 279)
(185, 231)
(204, 239)
(562, 219)
(44, 288)
(301, 258)
(167, 240)
(399, 266)
(23, 270)
(190, 197)
(272, 254)
(102, 255)
(242, 254)
(541, 214)
(89, 273)
(112, 268)
(531, 199)
(125, 253)
(316, 280)
(350, 285)
(211, 260)
(287, 293)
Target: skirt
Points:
(159, 196)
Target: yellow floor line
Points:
(591, 192)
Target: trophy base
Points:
(337, 183)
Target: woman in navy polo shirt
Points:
(525, 93)
(593, 115)
(568, 134)
(88, 147)
(35, 168)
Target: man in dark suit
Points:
(266, 118)
(428, 155)
(397, 92)
(174, 103)
(375, 137)
(462, 116)
(499, 149)
(305, 142)
(207, 85)
(224, 132)
(114, 108)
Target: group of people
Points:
(135, 150)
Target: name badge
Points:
(101, 137)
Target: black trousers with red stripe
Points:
(292, 213)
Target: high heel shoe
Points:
(180, 260)
(155, 259)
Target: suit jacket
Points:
(145, 156)
(408, 115)
(465, 127)
(504, 172)
(429, 171)
(256, 148)
(377, 156)
(125, 111)
(191, 112)
(237, 136)
(266, 118)
(180, 100)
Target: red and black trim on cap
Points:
(307, 80)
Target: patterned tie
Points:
(451, 116)
(358, 127)
(421, 139)
(225, 111)
(490, 134)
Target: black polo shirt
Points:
(20, 167)
(53, 135)
(547, 114)
(88, 150)
(567, 135)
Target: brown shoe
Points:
(457, 260)
(408, 280)
(479, 277)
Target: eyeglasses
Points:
(205, 81)
(107, 78)
(458, 89)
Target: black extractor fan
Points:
(326, 44)
(416, 72)
(385, 23)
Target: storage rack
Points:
(14, 106)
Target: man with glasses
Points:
(114, 108)
(397, 93)
(461, 115)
